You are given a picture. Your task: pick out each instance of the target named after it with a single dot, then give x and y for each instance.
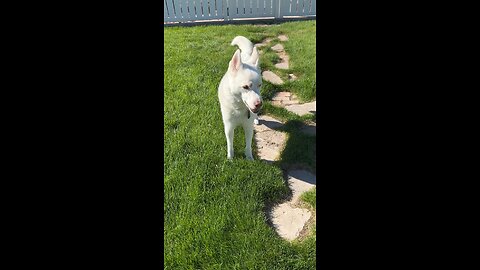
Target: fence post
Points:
(284, 7)
(276, 7)
(225, 7)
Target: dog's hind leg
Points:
(248, 128)
(229, 129)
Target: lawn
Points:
(214, 209)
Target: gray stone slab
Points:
(263, 43)
(268, 140)
(282, 65)
(302, 109)
(278, 48)
(283, 38)
(309, 129)
(289, 221)
(271, 77)
(292, 77)
(300, 181)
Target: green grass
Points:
(214, 208)
(301, 48)
(310, 197)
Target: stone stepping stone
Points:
(269, 141)
(300, 181)
(271, 77)
(284, 98)
(283, 38)
(278, 48)
(292, 77)
(281, 65)
(282, 95)
(287, 219)
(310, 129)
(284, 59)
(264, 42)
(302, 109)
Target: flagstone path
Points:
(288, 218)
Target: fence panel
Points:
(313, 8)
(297, 7)
(201, 10)
(192, 10)
(186, 9)
(169, 10)
(198, 10)
(249, 8)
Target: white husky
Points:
(239, 94)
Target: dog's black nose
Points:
(258, 104)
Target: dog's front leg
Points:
(229, 134)
(248, 128)
(255, 119)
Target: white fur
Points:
(235, 101)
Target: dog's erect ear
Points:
(236, 62)
(254, 58)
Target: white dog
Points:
(239, 94)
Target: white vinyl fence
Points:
(198, 10)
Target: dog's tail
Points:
(245, 45)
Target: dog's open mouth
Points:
(252, 110)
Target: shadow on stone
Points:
(309, 130)
(270, 124)
(304, 176)
(269, 141)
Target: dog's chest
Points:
(241, 114)
(236, 115)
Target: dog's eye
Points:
(245, 87)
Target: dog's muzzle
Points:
(254, 110)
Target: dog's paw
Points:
(255, 121)
(230, 154)
(249, 156)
